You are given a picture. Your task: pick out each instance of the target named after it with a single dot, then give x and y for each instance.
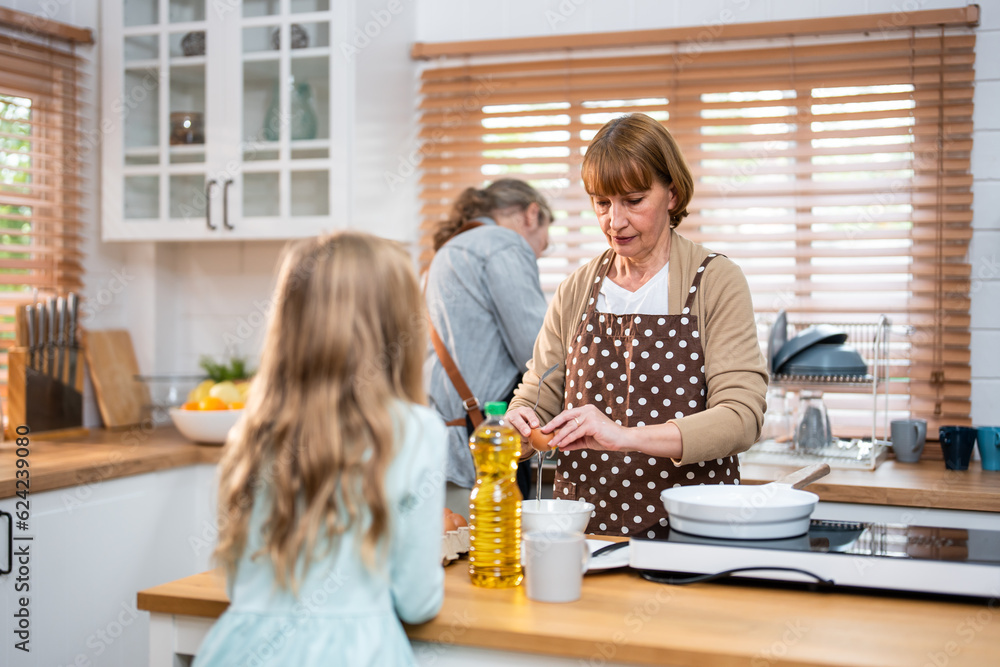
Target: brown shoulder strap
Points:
(469, 401)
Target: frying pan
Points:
(778, 510)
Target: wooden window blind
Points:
(832, 166)
(40, 177)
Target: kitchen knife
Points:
(43, 321)
(72, 305)
(29, 318)
(60, 337)
(51, 346)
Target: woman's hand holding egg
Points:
(587, 428)
(526, 422)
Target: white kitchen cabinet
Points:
(266, 150)
(94, 547)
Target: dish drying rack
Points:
(872, 342)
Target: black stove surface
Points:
(883, 540)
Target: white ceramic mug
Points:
(554, 564)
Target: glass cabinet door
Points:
(285, 114)
(162, 108)
(227, 119)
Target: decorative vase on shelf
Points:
(301, 122)
(193, 43)
(300, 38)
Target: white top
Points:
(650, 299)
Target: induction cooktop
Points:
(923, 559)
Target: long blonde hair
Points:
(344, 341)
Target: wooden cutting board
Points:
(113, 368)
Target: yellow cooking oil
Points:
(495, 503)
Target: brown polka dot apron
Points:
(638, 369)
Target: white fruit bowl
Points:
(208, 427)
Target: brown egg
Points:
(458, 520)
(447, 520)
(540, 441)
(449, 523)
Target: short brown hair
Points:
(628, 153)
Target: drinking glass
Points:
(813, 430)
(779, 426)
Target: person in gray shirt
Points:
(485, 300)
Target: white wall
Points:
(985, 246)
(181, 300)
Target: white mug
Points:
(554, 564)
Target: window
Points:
(39, 167)
(833, 168)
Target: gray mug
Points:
(908, 437)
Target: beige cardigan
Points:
(734, 366)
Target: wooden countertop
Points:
(103, 454)
(100, 455)
(924, 484)
(623, 618)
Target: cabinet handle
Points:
(10, 542)
(225, 204)
(208, 204)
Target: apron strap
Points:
(689, 303)
(602, 273)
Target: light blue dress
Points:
(345, 614)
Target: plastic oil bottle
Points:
(495, 503)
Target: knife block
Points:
(36, 399)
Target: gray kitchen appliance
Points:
(879, 556)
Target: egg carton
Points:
(454, 543)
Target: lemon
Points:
(225, 391)
(244, 387)
(201, 391)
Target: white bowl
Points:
(205, 426)
(555, 516)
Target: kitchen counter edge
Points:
(97, 455)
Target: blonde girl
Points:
(332, 486)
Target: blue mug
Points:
(989, 447)
(957, 443)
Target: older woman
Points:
(663, 380)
